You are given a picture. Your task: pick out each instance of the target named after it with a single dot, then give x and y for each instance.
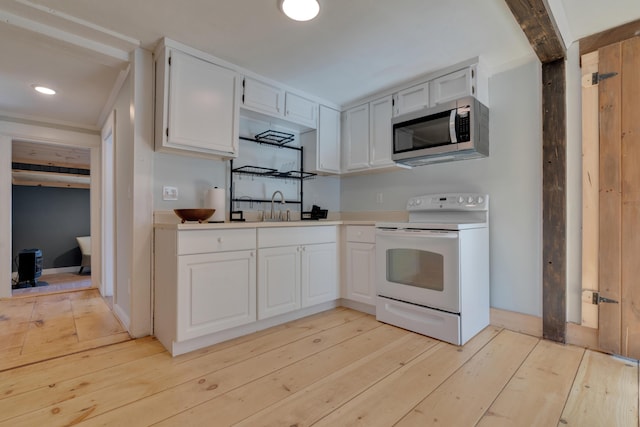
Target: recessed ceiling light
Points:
(300, 10)
(44, 90)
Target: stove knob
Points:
(470, 199)
(418, 202)
(460, 199)
(480, 199)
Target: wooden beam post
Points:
(540, 28)
(554, 213)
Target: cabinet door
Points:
(301, 110)
(411, 99)
(328, 149)
(215, 291)
(278, 280)
(263, 97)
(453, 86)
(380, 134)
(361, 279)
(319, 273)
(202, 106)
(356, 134)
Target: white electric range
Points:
(432, 273)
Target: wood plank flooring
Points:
(37, 328)
(340, 367)
(56, 283)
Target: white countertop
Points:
(246, 224)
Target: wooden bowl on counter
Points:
(200, 215)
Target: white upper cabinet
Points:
(263, 97)
(196, 110)
(300, 110)
(322, 147)
(454, 85)
(367, 136)
(380, 134)
(356, 138)
(274, 101)
(411, 99)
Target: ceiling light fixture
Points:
(300, 10)
(44, 90)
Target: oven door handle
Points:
(431, 234)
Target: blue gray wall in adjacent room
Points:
(50, 219)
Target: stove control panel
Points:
(449, 202)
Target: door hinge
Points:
(597, 77)
(169, 61)
(597, 299)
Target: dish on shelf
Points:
(275, 137)
(200, 215)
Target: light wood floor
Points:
(36, 328)
(58, 282)
(339, 367)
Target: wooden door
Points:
(619, 197)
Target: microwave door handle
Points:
(452, 126)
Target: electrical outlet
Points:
(379, 198)
(169, 193)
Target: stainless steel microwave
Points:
(450, 131)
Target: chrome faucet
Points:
(273, 197)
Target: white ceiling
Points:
(352, 49)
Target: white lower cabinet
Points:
(211, 285)
(360, 266)
(204, 283)
(278, 281)
(217, 291)
(319, 273)
(300, 273)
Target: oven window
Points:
(415, 267)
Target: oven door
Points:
(419, 267)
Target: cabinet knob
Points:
(304, 249)
(252, 254)
(220, 240)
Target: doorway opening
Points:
(51, 218)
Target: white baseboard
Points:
(358, 306)
(578, 335)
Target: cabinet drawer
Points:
(203, 241)
(289, 236)
(361, 233)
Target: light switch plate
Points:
(169, 193)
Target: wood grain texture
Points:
(609, 268)
(613, 35)
(590, 186)
(37, 328)
(464, 398)
(386, 402)
(605, 393)
(337, 366)
(554, 210)
(549, 370)
(539, 27)
(630, 163)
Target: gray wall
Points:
(511, 175)
(50, 219)
(193, 176)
